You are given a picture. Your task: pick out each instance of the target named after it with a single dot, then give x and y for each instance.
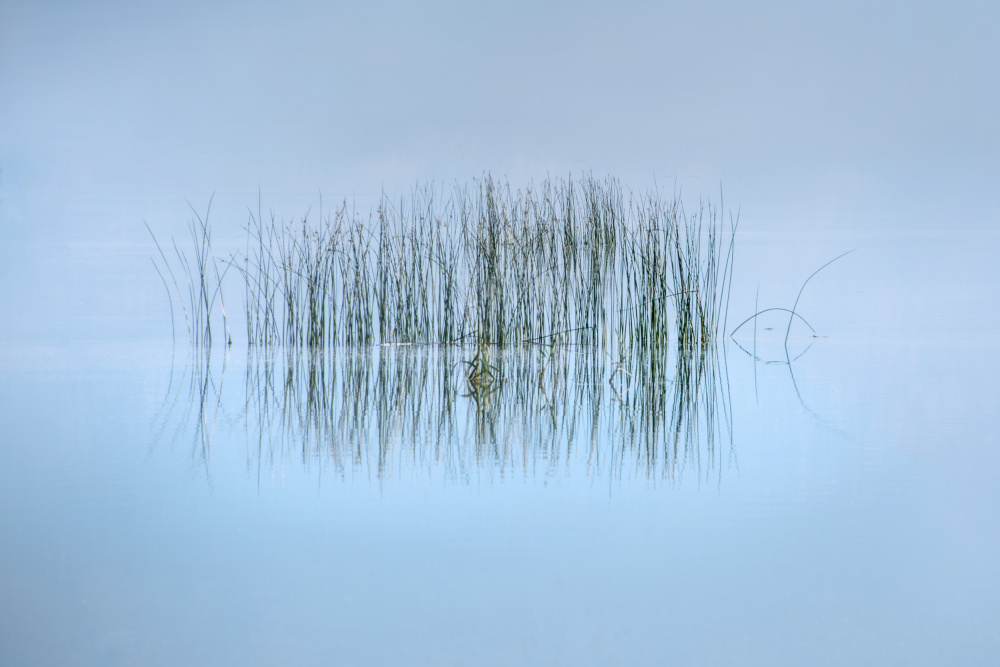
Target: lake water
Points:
(846, 512)
(836, 505)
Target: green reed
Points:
(200, 284)
(484, 263)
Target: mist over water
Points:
(829, 499)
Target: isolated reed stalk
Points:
(200, 284)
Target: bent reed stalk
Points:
(201, 278)
(582, 260)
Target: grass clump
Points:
(582, 259)
(356, 326)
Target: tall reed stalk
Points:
(200, 284)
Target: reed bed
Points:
(584, 261)
(593, 313)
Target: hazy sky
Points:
(843, 115)
(299, 96)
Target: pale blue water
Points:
(853, 522)
(846, 513)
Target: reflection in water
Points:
(787, 357)
(197, 396)
(407, 411)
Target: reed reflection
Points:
(405, 412)
(193, 402)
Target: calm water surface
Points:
(845, 514)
